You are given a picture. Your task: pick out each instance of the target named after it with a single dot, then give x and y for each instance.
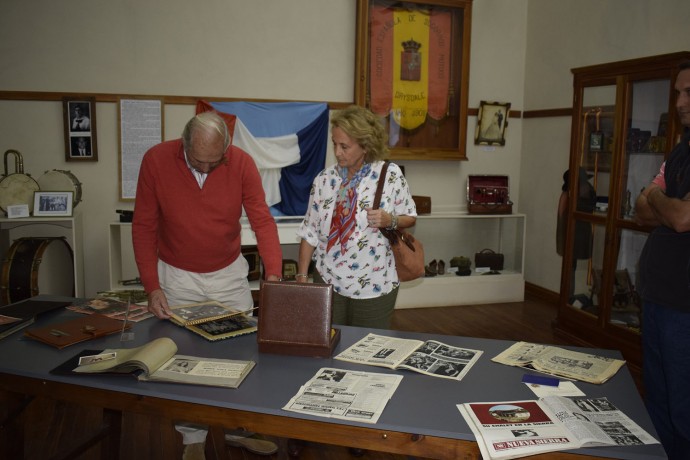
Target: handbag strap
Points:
(379, 188)
(392, 235)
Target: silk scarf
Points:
(344, 219)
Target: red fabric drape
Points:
(439, 64)
(381, 60)
(203, 106)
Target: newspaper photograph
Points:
(513, 429)
(560, 362)
(431, 357)
(345, 394)
(202, 371)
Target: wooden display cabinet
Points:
(624, 125)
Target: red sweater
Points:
(198, 229)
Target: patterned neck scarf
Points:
(344, 215)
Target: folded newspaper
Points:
(560, 362)
(514, 429)
(345, 395)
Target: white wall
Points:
(562, 35)
(522, 52)
(298, 50)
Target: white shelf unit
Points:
(444, 235)
(38, 227)
(447, 235)
(121, 254)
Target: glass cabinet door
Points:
(645, 139)
(597, 142)
(595, 153)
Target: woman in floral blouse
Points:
(340, 231)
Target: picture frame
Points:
(596, 141)
(53, 204)
(412, 70)
(140, 124)
(79, 116)
(492, 120)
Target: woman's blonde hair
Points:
(365, 128)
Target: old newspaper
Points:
(345, 394)
(513, 429)
(431, 357)
(560, 362)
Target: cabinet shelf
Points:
(444, 235)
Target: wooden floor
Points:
(51, 426)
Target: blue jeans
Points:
(666, 373)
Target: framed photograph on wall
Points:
(412, 70)
(53, 203)
(492, 120)
(79, 114)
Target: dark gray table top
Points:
(422, 404)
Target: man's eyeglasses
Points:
(206, 166)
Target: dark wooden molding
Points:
(541, 293)
(511, 113)
(114, 97)
(540, 113)
(544, 113)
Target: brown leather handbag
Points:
(407, 250)
(488, 258)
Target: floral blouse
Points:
(366, 268)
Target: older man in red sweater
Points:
(186, 228)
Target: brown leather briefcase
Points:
(295, 319)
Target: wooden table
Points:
(420, 420)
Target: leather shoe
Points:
(254, 443)
(441, 267)
(431, 269)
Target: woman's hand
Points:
(378, 218)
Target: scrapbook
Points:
(213, 320)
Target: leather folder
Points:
(295, 319)
(77, 330)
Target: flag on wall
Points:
(410, 64)
(288, 142)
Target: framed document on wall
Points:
(141, 127)
(412, 69)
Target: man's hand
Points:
(158, 304)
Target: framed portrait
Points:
(492, 120)
(53, 203)
(412, 70)
(79, 114)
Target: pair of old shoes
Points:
(435, 268)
